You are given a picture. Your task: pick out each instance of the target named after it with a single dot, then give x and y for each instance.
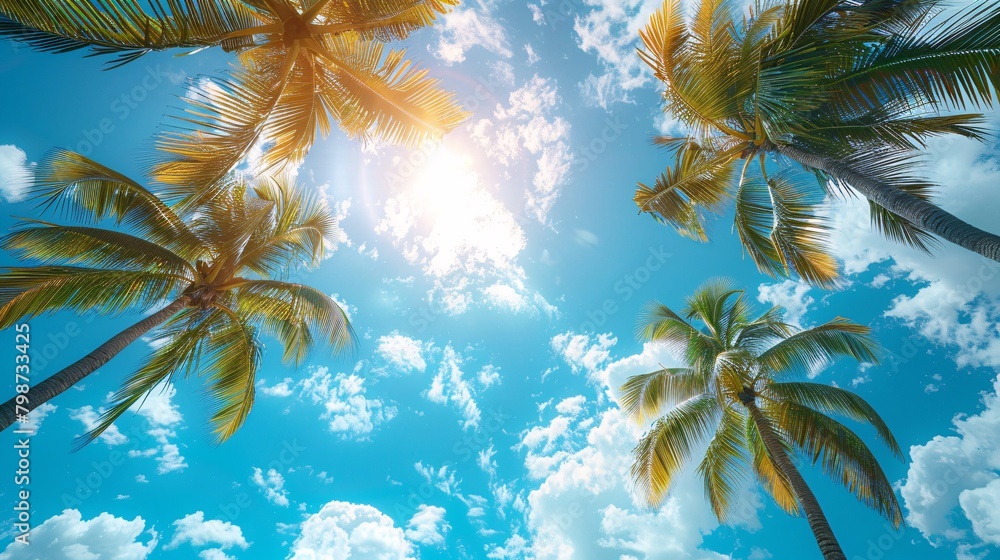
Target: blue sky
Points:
(494, 281)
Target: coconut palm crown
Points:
(300, 65)
(739, 395)
(851, 90)
(212, 281)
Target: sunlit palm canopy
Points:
(733, 350)
(301, 65)
(128, 251)
(862, 81)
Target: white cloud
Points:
(610, 31)
(281, 390)
(342, 531)
(444, 220)
(450, 386)
(194, 529)
(427, 526)
(15, 173)
(982, 508)
(36, 416)
(403, 352)
(584, 508)
(273, 486)
(349, 412)
(158, 407)
(214, 554)
(443, 478)
(584, 352)
(162, 414)
(90, 419)
(790, 294)
(466, 27)
(529, 125)
(957, 471)
(571, 406)
(68, 535)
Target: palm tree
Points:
(850, 90)
(300, 65)
(736, 395)
(218, 271)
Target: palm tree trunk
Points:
(915, 210)
(825, 538)
(69, 376)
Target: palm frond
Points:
(29, 292)
(725, 465)
(663, 451)
(821, 345)
(373, 95)
(84, 190)
(834, 400)
(843, 456)
(645, 395)
(53, 244)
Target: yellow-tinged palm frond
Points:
(799, 236)
(234, 356)
(700, 181)
(278, 305)
(383, 97)
(123, 27)
(659, 323)
(819, 346)
(768, 474)
(29, 292)
(834, 400)
(299, 231)
(224, 120)
(84, 190)
(666, 448)
(843, 456)
(644, 396)
(724, 466)
(53, 244)
(383, 20)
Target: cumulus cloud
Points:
(342, 531)
(584, 352)
(15, 173)
(199, 532)
(955, 473)
(528, 125)
(68, 535)
(609, 30)
(470, 25)
(792, 295)
(348, 411)
(591, 485)
(272, 486)
(36, 416)
(404, 353)
(428, 526)
(90, 419)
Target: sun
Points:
(444, 185)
